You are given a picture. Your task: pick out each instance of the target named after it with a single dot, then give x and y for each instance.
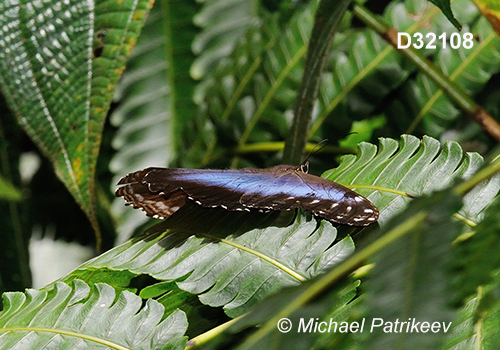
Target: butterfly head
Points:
(304, 167)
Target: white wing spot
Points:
(348, 209)
(368, 211)
(358, 219)
(290, 197)
(334, 205)
(340, 216)
(223, 206)
(358, 199)
(371, 219)
(315, 201)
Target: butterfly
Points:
(160, 192)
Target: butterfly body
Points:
(161, 191)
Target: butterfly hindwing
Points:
(155, 204)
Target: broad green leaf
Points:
(59, 63)
(230, 259)
(84, 317)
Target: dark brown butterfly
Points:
(160, 192)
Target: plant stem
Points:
(326, 22)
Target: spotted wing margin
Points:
(337, 203)
(137, 194)
(321, 197)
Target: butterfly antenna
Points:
(318, 147)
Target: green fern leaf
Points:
(477, 259)
(223, 23)
(255, 87)
(78, 316)
(417, 167)
(478, 321)
(229, 261)
(411, 278)
(470, 69)
(235, 259)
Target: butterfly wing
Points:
(290, 188)
(336, 203)
(158, 204)
(161, 191)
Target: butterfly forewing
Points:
(338, 203)
(161, 191)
